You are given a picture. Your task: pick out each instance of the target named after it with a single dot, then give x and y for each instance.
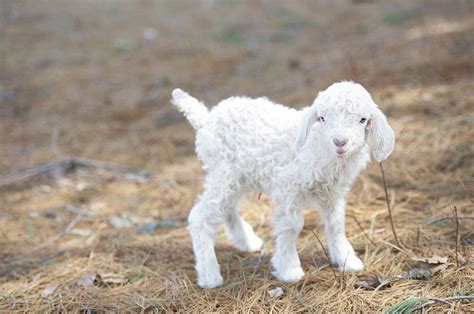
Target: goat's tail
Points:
(194, 110)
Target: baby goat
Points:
(307, 157)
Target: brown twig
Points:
(388, 206)
(418, 234)
(40, 247)
(325, 252)
(362, 229)
(445, 300)
(457, 234)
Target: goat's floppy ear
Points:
(305, 124)
(381, 135)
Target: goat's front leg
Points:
(288, 223)
(341, 251)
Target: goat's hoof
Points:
(353, 264)
(210, 282)
(254, 244)
(290, 274)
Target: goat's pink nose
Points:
(340, 142)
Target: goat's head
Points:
(345, 117)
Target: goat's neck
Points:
(319, 167)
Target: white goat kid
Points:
(307, 157)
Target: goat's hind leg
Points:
(203, 221)
(239, 231)
(218, 204)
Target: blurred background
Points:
(100, 72)
(92, 79)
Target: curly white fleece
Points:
(307, 157)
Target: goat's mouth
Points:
(341, 152)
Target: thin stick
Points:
(445, 300)
(73, 209)
(66, 164)
(362, 229)
(394, 246)
(436, 220)
(57, 173)
(56, 237)
(442, 301)
(388, 205)
(418, 236)
(54, 142)
(325, 252)
(457, 235)
(35, 171)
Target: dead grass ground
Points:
(79, 79)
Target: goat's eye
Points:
(321, 119)
(363, 120)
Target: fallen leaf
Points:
(373, 282)
(113, 279)
(438, 268)
(431, 260)
(102, 280)
(48, 291)
(275, 293)
(433, 264)
(87, 280)
(417, 273)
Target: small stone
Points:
(276, 293)
(48, 291)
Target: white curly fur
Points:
(249, 145)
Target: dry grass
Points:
(424, 84)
